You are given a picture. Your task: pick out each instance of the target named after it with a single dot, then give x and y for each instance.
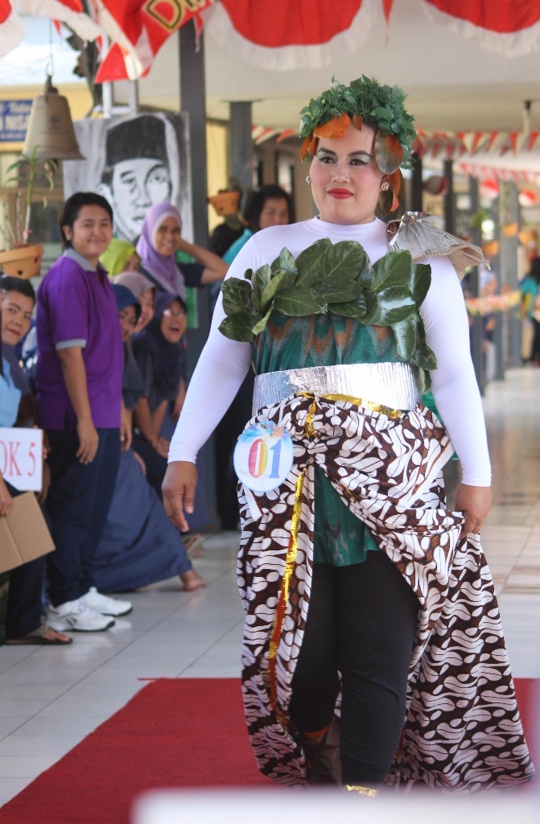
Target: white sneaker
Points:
(105, 606)
(75, 616)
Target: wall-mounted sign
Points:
(14, 116)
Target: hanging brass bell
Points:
(50, 127)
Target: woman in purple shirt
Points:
(79, 396)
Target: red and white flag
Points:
(138, 29)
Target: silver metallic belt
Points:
(396, 385)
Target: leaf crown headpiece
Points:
(365, 100)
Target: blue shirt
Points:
(10, 397)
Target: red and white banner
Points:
(280, 35)
(510, 27)
(11, 28)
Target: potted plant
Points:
(22, 258)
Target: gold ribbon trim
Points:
(284, 598)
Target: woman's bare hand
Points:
(179, 491)
(475, 503)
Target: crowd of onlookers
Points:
(97, 360)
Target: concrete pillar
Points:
(449, 198)
(417, 185)
(509, 214)
(193, 102)
(241, 143)
(474, 288)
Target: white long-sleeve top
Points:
(224, 363)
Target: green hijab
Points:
(116, 256)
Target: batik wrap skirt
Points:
(462, 729)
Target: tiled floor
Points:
(50, 699)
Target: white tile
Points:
(39, 746)
(27, 766)
(56, 727)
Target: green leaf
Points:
(271, 289)
(341, 292)
(394, 268)
(236, 296)
(261, 324)
(285, 263)
(391, 306)
(355, 309)
(260, 281)
(421, 281)
(329, 262)
(423, 356)
(299, 301)
(308, 262)
(405, 335)
(237, 327)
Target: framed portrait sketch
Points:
(134, 162)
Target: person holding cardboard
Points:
(23, 623)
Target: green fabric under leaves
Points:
(340, 538)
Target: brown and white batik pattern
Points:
(462, 729)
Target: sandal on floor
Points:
(39, 637)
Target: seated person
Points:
(144, 291)
(161, 239)
(139, 545)
(160, 354)
(120, 256)
(24, 623)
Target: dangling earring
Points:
(385, 186)
(308, 180)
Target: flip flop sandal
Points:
(38, 637)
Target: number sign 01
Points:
(263, 456)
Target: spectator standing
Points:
(24, 624)
(79, 395)
(530, 312)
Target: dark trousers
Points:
(78, 503)
(362, 620)
(24, 605)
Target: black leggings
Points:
(362, 620)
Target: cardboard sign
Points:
(24, 535)
(21, 458)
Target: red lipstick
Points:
(340, 194)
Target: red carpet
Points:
(174, 733)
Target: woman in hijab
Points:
(145, 292)
(145, 547)
(160, 355)
(161, 239)
(120, 256)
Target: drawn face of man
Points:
(136, 185)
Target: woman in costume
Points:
(366, 599)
